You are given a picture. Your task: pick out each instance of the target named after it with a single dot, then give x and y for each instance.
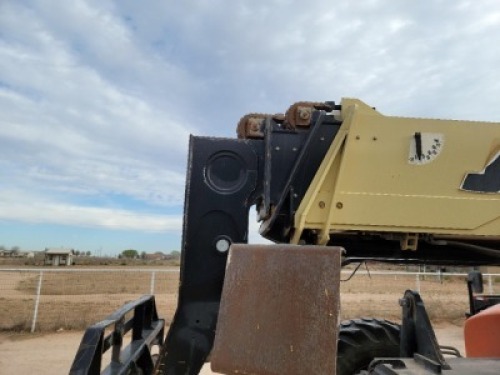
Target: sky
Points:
(98, 98)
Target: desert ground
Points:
(52, 353)
(70, 301)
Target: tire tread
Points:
(361, 340)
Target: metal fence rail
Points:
(377, 293)
(43, 299)
(50, 299)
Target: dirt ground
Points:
(52, 353)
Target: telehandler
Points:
(333, 184)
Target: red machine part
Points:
(482, 333)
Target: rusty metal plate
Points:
(279, 311)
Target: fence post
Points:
(418, 282)
(37, 302)
(152, 289)
(490, 284)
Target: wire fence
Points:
(377, 294)
(51, 299)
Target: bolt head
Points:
(222, 245)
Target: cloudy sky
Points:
(98, 98)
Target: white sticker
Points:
(425, 147)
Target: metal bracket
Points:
(409, 241)
(146, 328)
(418, 339)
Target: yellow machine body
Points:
(389, 174)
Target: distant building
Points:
(155, 256)
(13, 253)
(59, 257)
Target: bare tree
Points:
(14, 251)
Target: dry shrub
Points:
(16, 314)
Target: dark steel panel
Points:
(223, 181)
(361, 247)
(417, 334)
(279, 311)
(291, 162)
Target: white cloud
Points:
(97, 99)
(67, 126)
(14, 206)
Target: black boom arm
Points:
(222, 184)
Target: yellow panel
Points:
(379, 186)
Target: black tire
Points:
(362, 340)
